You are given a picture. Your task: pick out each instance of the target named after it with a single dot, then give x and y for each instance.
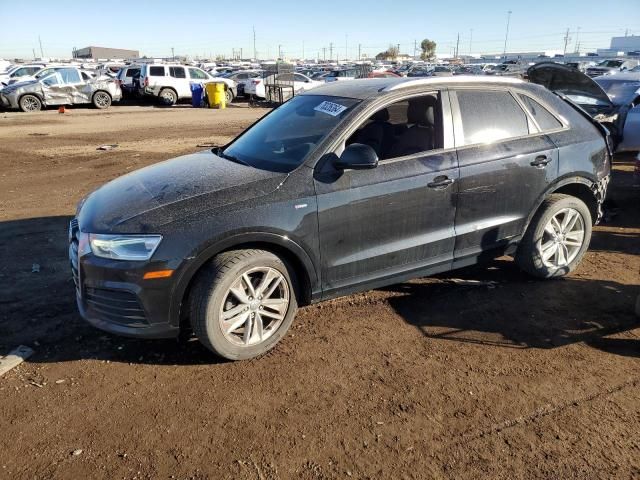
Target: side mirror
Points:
(357, 156)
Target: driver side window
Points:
(406, 127)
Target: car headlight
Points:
(124, 247)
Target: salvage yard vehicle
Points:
(298, 81)
(129, 80)
(612, 100)
(352, 186)
(172, 82)
(61, 86)
(611, 67)
(20, 72)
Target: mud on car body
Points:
(349, 187)
(61, 86)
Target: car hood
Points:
(568, 81)
(146, 199)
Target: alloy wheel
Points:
(562, 238)
(254, 307)
(102, 99)
(30, 104)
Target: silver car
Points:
(60, 86)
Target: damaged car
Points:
(344, 188)
(612, 100)
(61, 86)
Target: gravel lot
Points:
(432, 378)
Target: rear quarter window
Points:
(543, 117)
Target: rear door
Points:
(505, 162)
(54, 90)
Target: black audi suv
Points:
(349, 187)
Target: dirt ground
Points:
(432, 378)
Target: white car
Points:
(172, 82)
(21, 72)
(243, 78)
(298, 81)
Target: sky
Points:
(208, 28)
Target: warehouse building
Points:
(104, 53)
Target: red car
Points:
(387, 74)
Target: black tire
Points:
(30, 103)
(211, 289)
(228, 95)
(529, 254)
(101, 100)
(168, 97)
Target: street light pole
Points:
(506, 36)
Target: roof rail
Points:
(457, 79)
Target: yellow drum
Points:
(216, 95)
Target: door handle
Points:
(440, 182)
(540, 161)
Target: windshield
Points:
(619, 91)
(282, 140)
(611, 63)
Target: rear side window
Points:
(69, 75)
(489, 116)
(177, 72)
(541, 115)
(156, 71)
(132, 72)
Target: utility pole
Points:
(346, 46)
(324, 54)
(280, 52)
(506, 35)
(578, 41)
(398, 51)
(41, 51)
(34, 53)
(359, 51)
(457, 45)
(470, 41)
(241, 56)
(173, 55)
(566, 41)
(255, 54)
(415, 48)
(331, 52)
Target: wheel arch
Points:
(580, 187)
(33, 94)
(280, 245)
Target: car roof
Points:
(370, 87)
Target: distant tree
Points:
(428, 49)
(389, 53)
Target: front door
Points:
(393, 220)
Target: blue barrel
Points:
(197, 93)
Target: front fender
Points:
(265, 238)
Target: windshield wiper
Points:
(232, 158)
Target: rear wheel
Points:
(244, 303)
(30, 103)
(557, 238)
(101, 100)
(168, 96)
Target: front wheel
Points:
(557, 238)
(228, 96)
(168, 97)
(30, 103)
(244, 303)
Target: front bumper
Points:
(113, 296)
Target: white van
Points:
(172, 82)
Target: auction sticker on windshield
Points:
(333, 109)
